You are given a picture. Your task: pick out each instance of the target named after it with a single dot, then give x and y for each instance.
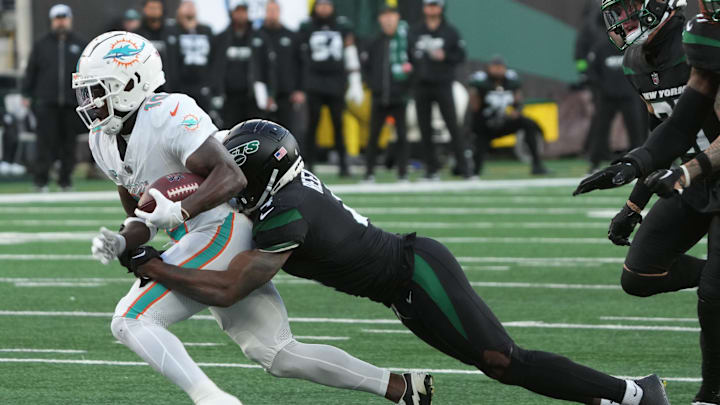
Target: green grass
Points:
(618, 352)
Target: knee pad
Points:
(709, 291)
(282, 367)
(119, 327)
(263, 354)
(495, 363)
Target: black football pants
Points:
(378, 115)
(485, 134)
(441, 308)
(57, 131)
(657, 262)
(440, 93)
(336, 104)
(605, 111)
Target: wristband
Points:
(634, 207)
(686, 173)
(185, 214)
(704, 162)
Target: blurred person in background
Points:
(131, 20)
(387, 69)
(331, 74)
(239, 68)
(436, 50)
(191, 54)
(153, 27)
(612, 94)
(283, 73)
(492, 92)
(47, 87)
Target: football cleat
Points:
(653, 390)
(706, 398)
(420, 389)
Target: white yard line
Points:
(490, 225)
(522, 240)
(255, 366)
(552, 325)
(530, 200)
(62, 351)
(339, 338)
(552, 286)
(470, 211)
(53, 222)
(62, 210)
(647, 319)
(31, 257)
(549, 260)
(486, 268)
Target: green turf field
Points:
(539, 257)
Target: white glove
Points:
(355, 93)
(167, 215)
(107, 245)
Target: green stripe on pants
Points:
(157, 290)
(428, 280)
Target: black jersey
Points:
(659, 72)
(331, 242)
(323, 46)
(496, 96)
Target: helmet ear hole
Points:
(129, 86)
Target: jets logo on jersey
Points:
(125, 52)
(239, 153)
(190, 122)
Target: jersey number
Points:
(311, 181)
(325, 45)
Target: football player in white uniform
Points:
(138, 136)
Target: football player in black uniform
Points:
(492, 91)
(678, 223)
(303, 228)
(331, 64)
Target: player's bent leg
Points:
(442, 308)
(142, 316)
(259, 325)
(656, 262)
(709, 315)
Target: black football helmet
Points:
(711, 10)
(632, 21)
(269, 156)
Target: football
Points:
(174, 186)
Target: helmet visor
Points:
(710, 9)
(622, 21)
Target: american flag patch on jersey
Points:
(280, 153)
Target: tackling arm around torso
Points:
(248, 271)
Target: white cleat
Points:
(420, 389)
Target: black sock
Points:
(558, 377)
(709, 315)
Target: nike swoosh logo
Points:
(139, 256)
(265, 214)
(409, 298)
(173, 112)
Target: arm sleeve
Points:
(640, 194)
(284, 230)
(677, 134)
(653, 122)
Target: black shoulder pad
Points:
(701, 40)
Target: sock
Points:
(633, 395)
(709, 316)
(329, 366)
(166, 354)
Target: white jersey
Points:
(168, 129)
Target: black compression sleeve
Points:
(677, 134)
(640, 194)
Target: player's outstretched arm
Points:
(248, 271)
(223, 178)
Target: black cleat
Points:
(653, 391)
(420, 389)
(706, 397)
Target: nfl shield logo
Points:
(656, 78)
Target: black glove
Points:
(613, 176)
(662, 182)
(132, 260)
(622, 225)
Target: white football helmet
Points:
(116, 72)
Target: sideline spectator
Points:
(131, 20)
(47, 86)
(436, 49)
(387, 70)
(282, 76)
(191, 54)
(492, 91)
